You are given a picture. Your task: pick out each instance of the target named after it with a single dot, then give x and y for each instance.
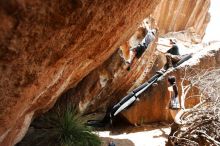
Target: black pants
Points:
(140, 50)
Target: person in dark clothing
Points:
(111, 143)
(172, 56)
(141, 47)
(145, 42)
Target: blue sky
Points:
(213, 29)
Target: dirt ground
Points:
(145, 135)
(118, 142)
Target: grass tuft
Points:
(60, 127)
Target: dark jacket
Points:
(174, 50)
(111, 144)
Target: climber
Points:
(174, 105)
(138, 50)
(172, 56)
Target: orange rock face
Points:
(182, 15)
(48, 47)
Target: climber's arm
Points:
(163, 44)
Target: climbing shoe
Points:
(128, 68)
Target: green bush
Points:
(61, 127)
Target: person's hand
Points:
(131, 49)
(168, 54)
